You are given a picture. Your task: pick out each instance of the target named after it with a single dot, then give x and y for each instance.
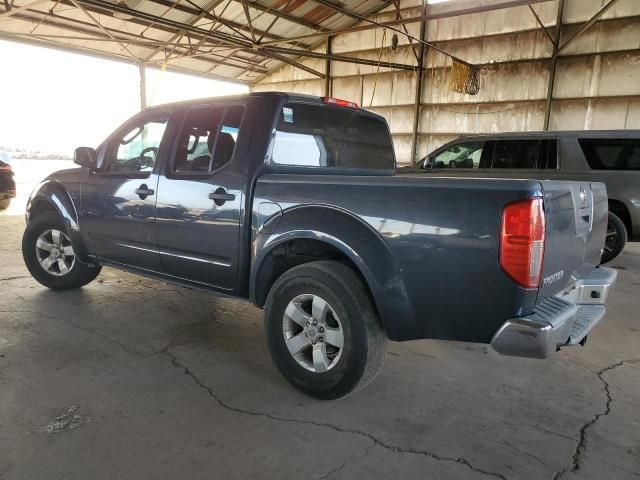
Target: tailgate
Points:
(576, 224)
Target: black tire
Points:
(78, 275)
(364, 345)
(615, 240)
(4, 203)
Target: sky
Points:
(55, 101)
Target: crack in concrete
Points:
(166, 351)
(393, 448)
(331, 472)
(582, 432)
(344, 464)
(523, 452)
(17, 277)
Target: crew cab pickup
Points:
(293, 203)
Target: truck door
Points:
(200, 194)
(117, 208)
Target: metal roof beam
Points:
(224, 37)
(114, 57)
(339, 58)
(586, 25)
(544, 29)
(201, 12)
(88, 29)
(286, 16)
(402, 21)
(338, 9)
(12, 10)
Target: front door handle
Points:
(220, 196)
(143, 191)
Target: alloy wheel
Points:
(54, 252)
(313, 333)
(612, 237)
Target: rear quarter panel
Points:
(442, 235)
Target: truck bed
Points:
(441, 237)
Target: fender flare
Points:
(56, 197)
(354, 238)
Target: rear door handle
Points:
(143, 191)
(220, 196)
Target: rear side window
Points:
(515, 154)
(331, 137)
(208, 139)
(612, 154)
(548, 156)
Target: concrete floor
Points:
(130, 378)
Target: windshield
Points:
(464, 155)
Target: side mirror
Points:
(85, 157)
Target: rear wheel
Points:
(4, 203)
(323, 331)
(616, 238)
(49, 256)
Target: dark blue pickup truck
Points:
(293, 202)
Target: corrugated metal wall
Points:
(597, 82)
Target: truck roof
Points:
(245, 96)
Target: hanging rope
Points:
(375, 81)
(163, 68)
(464, 78)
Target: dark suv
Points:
(7, 183)
(611, 157)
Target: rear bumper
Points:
(564, 319)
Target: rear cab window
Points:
(612, 154)
(324, 136)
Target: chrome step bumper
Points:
(564, 319)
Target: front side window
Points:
(208, 139)
(515, 154)
(137, 150)
(331, 137)
(612, 154)
(462, 155)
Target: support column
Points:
(327, 70)
(143, 86)
(418, 93)
(554, 61)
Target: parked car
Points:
(7, 182)
(295, 205)
(611, 157)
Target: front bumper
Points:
(564, 319)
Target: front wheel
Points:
(615, 240)
(322, 330)
(49, 256)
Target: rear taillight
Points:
(522, 241)
(339, 103)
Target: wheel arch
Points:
(305, 234)
(621, 210)
(51, 195)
